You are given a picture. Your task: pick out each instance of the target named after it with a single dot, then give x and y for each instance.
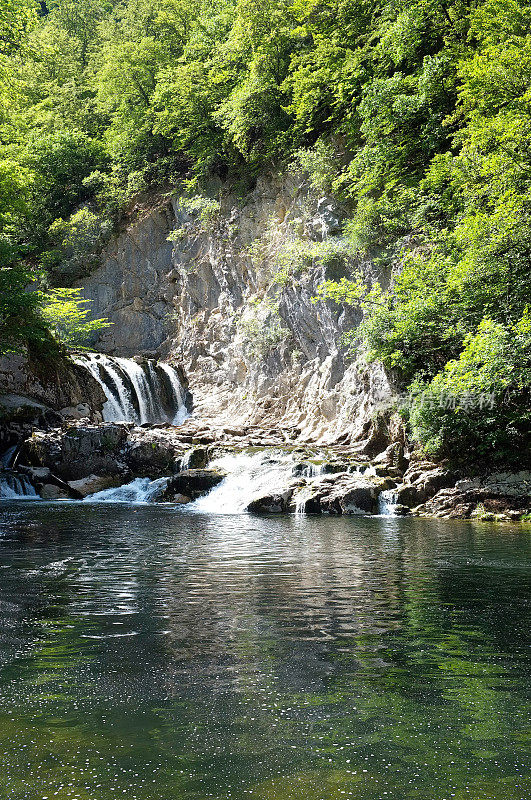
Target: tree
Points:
(66, 313)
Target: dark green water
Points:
(149, 654)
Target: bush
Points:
(263, 330)
(75, 245)
(66, 313)
(478, 408)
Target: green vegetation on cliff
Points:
(415, 114)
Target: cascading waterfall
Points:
(147, 392)
(14, 486)
(6, 459)
(177, 392)
(141, 490)
(312, 470)
(387, 502)
(249, 477)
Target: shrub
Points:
(479, 406)
(66, 313)
(75, 245)
(262, 330)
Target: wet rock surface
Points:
(80, 458)
(192, 483)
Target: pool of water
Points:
(151, 654)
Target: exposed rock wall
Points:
(199, 286)
(55, 385)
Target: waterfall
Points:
(301, 498)
(14, 486)
(6, 459)
(147, 392)
(141, 490)
(178, 393)
(313, 470)
(249, 477)
(387, 502)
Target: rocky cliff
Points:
(226, 287)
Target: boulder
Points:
(152, 453)
(392, 457)
(271, 503)
(193, 483)
(197, 458)
(50, 491)
(79, 451)
(420, 485)
(181, 499)
(37, 474)
(94, 483)
(456, 503)
(354, 494)
(81, 411)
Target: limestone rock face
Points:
(256, 350)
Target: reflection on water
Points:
(156, 655)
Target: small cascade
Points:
(249, 477)
(387, 503)
(147, 392)
(6, 459)
(301, 498)
(177, 393)
(312, 470)
(15, 486)
(141, 490)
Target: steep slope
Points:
(226, 287)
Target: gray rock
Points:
(50, 491)
(181, 499)
(94, 483)
(193, 483)
(79, 451)
(195, 459)
(271, 503)
(81, 411)
(190, 296)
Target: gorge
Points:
(265, 399)
(260, 366)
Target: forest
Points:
(414, 114)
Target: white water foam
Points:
(134, 392)
(16, 487)
(141, 490)
(249, 476)
(387, 503)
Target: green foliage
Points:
(66, 313)
(320, 163)
(480, 404)
(20, 321)
(262, 330)
(75, 245)
(415, 115)
(206, 208)
(297, 256)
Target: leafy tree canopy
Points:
(416, 114)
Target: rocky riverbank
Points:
(79, 458)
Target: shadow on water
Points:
(153, 654)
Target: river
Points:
(154, 654)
